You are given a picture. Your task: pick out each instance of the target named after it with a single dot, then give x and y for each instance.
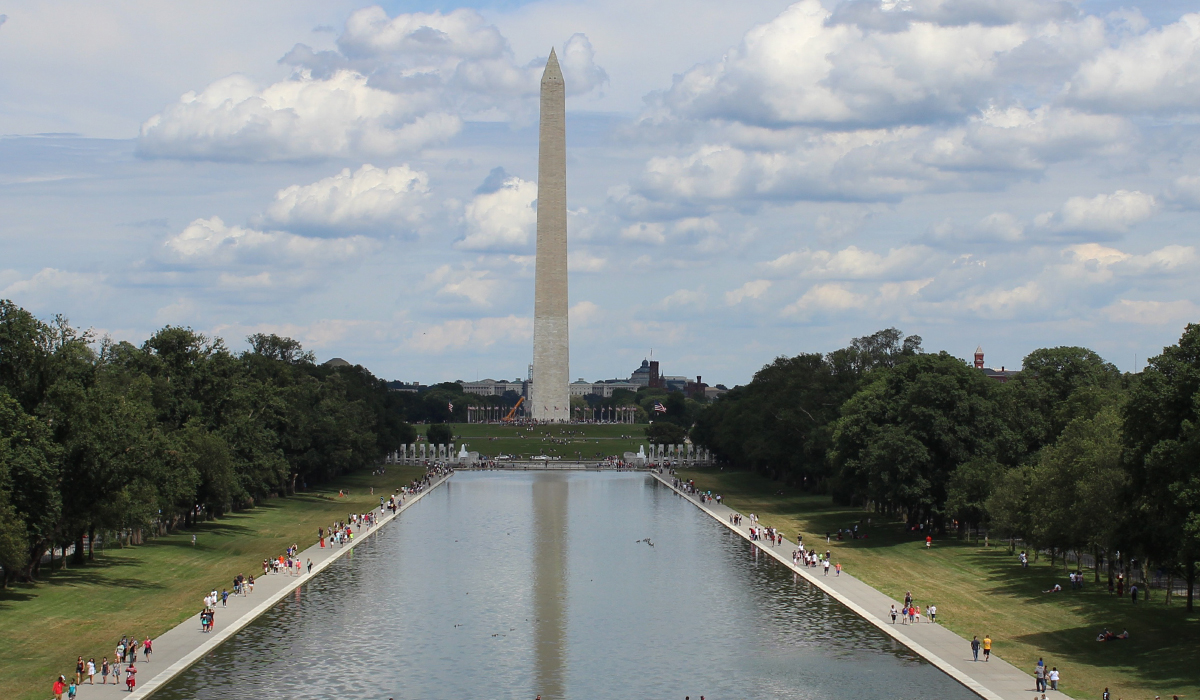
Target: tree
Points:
(664, 433)
(968, 490)
(1162, 457)
(909, 428)
(439, 434)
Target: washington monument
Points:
(551, 400)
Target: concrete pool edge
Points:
(892, 630)
(216, 639)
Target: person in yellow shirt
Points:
(987, 647)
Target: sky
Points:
(745, 180)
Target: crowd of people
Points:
(123, 664)
(910, 612)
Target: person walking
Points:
(91, 671)
(892, 612)
(975, 647)
(987, 647)
(59, 687)
(933, 613)
(1054, 678)
(1039, 677)
(79, 670)
(104, 671)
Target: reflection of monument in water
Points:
(550, 397)
(550, 584)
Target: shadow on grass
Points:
(1151, 656)
(104, 571)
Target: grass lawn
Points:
(150, 588)
(569, 441)
(985, 591)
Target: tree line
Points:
(99, 436)
(1069, 455)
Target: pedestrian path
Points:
(994, 680)
(184, 645)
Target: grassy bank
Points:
(568, 441)
(150, 588)
(985, 591)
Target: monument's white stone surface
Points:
(551, 377)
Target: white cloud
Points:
(476, 286)
(1166, 260)
(501, 220)
(583, 314)
(582, 261)
(684, 297)
(396, 85)
(824, 298)
(372, 199)
(1158, 71)
(909, 63)
(478, 333)
(753, 289)
(1006, 303)
(212, 243)
(851, 262)
(1105, 213)
(1152, 312)
(50, 281)
(300, 118)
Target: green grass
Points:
(569, 442)
(150, 588)
(985, 591)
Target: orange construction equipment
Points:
(513, 412)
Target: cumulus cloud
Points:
(642, 232)
(583, 313)
(50, 282)
(1105, 213)
(476, 286)
(753, 289)
(824, 298)
(1185, 191)
(478, 333)
(503, 218)
(1163, 261)
(395, 85)
(851, 262)
(300, 118)
(892, 64)
(684, 297)
(1154, 313)
(372, 199)
(213, 243)
(582, 261)
(1158, 71)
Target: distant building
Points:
(413, 387)
(712, 392)
(641, 375)
(603, 389)
(1001, 375)
(336, 362)
(492, 387)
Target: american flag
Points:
(659, 408)
(451, 407)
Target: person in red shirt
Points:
(60, 687)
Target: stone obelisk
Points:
(551, 395)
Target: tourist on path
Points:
(987, 647)
(104, 671)
(892, 612)
(60, 686)
(975, 647)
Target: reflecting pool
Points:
(510, 585)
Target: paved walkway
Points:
(994, 680)
(184, 645)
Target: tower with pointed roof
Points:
(551, 400)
